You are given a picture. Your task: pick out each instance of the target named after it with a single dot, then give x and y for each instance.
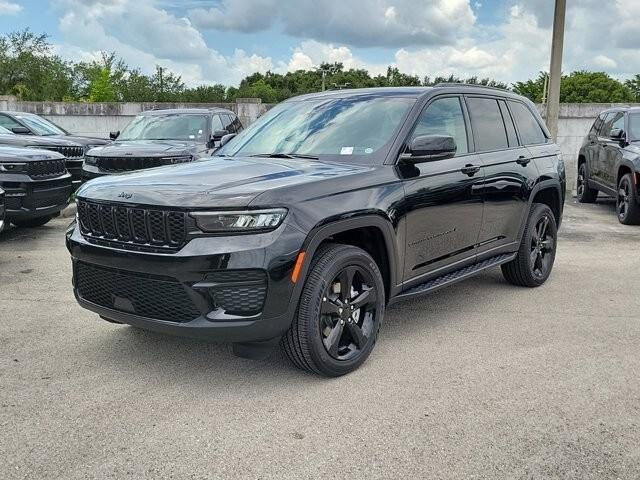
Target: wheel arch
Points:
(548, 192)
(366, 232)
(622, 170)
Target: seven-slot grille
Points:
(156, 297)
(123, 164)
(69, 152)
(133, 227)
(46, 168)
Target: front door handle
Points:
(470, 169)
(522, 160)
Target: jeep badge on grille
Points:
(125, 195)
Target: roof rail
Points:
(475, 85)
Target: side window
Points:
(597, 125)
(528, 127)
(610, 120)
(486, 120)
(618, 121)
(443, 117)
(508, 123)
(8, 122)
(226, 122)
(216, 123)
(236, 124)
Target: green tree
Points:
(102, 87)
(532, 89)
(593, 87)
(633, 84)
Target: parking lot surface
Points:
(480, 380)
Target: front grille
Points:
(69, 152)
(238, 292)
(125, 164)
(161, 298)
(132, 227)
(46, 168)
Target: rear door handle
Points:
(470, 169)
(522, 160)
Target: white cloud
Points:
(9, 8)
(355, 22)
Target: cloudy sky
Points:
(221, 41)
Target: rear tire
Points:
(534, 262)
(627, 206)
(340, 311)
(32, 222)
(584, 193)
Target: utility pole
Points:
(161, 84)
(555, 70)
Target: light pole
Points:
(555, 69)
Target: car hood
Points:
(214, 182)
(145, 148)
(84, 141)
(35, 141)
(12, 154)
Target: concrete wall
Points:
(98, 119)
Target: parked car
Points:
(162, 137)
(71, 150)
(316, 217)
(36, 185)
(609, 162)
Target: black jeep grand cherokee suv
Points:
(36, 185)
(314, 219)
(609, 161)
(162, 137)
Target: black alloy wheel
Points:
(543, 245)
(339, 313)
(533, 264)
(347, 313)
(627, 206)
(584, 193)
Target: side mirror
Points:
(224, 140)
(617, 134)
(21, 130)
(218, 134)
(426, 148)
(114, 135)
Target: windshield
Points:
(4, 131)
(167, 127)
(40, 125)
(355, 125)
(634, 127)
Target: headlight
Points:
(90, 160)
(218, 222)
(176, 160)
(13, 167)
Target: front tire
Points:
(584, 193)
(627, 206)
(536, 255)
(32, 222)
(340, 312)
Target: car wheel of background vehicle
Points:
(32, 222)
(583, 192)
(339, 314)
(532, 266)
(627, 202)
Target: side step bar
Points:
(455, 276)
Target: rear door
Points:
(611, 152)
(599, 173)
(443, 202)
(507, 165)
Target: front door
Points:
(443, 202)
(611, 153)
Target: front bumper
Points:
(26, 198)
(196, 285)
(74, 167)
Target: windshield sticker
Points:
(346, 151)
(368, 150)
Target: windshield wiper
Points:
(284, 155)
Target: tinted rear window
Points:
(528, 127)
(488, 127)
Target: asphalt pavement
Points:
(479, 380)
